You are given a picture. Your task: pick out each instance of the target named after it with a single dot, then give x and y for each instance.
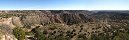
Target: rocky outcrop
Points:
(16, 21)
(7, 21)
(12, 22)
(6, 36)
(6, 26)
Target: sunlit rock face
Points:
(6, 36)
(16, 21)
(7, 21)
(6, 26)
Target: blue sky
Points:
(64, 4)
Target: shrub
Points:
(121, 36)
(99, 37)
(82, 37)
(39, 36)
(19, 33)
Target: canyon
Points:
(65, 24)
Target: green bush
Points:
(19, 33)
(40, 36)
(101, 36)
(82, 37)
(121, 36)
(53, 37)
